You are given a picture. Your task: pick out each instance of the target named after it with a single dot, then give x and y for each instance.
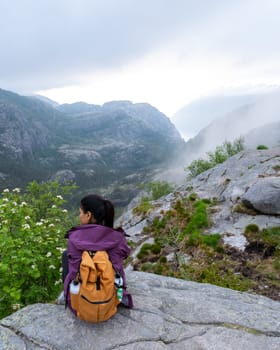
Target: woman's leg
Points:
(64, 265)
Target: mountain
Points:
(230, 115)
(268, 135)
(78, 108)
(108, 148)
(46, 100)
(257, 122)
(191, 118)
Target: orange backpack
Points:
(96, 300)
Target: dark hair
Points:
(102, 209)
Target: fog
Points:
(256, 119)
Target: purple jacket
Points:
(95, 237)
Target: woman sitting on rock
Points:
(96, 233)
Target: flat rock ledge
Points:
(169, 314)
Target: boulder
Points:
(264, 196)
(169, 314)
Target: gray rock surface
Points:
(251, 175)
(168, 314)
(264, 196)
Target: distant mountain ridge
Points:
(256, 118)
(206, 110)
(103, 148)
(228, 116)
(113, 147)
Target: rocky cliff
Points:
(221, 227)
(168, 314)
(102, 148)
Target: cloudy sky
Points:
(164, 52)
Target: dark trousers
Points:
(64, 259)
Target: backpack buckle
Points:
(91, 253)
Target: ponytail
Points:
(109, 213)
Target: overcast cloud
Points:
(164, 52)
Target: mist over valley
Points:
(113, 148)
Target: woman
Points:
(95, 233)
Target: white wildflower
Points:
(64, 211)
(33, 267)
(48, 254)
(15, 204)
(16, 190)
(13, 211)
(5, 199)
(52, 267)
(5, 222)
(51, 225)
(23, 204)
(60, 269)
(57, 282)
(61, 250)
(39, 223)
(26, 226)
(53, 206)
(27, 217)
(6, 190)
(59, 197)
(16, 306)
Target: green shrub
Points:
(211, 240)
(220, 154)
(198, 166)
(260, 147)
(193, 196)
(147, 248)
(159, 189)
(199, 219)
(217, 275)
(193, 239)
(271, 236)
(163, 259)
(155, 248)
(276, 264)
(206, 201)
(144, 206)
(147, 267)
(32, 228)
(252, 228)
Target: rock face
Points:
(103, 146)
(168, 314)
(22, 134)
(250, 177)
(236, 179)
